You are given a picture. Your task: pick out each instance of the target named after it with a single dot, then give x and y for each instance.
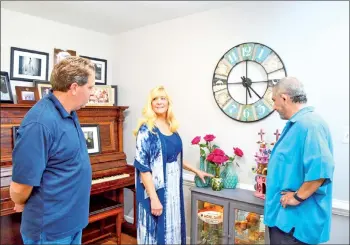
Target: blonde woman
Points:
(159, 163)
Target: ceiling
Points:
(111, 17)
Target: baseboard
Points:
(129, 219)
(339, 207)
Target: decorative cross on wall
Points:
(277, 134)
(261, 133)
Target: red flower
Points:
(237, 151)
(217, 156)
(196, 140)
(209, 137)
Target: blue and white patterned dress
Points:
(162, 156)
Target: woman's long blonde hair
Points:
(149, 116)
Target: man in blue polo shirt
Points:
(298, 203)
(51, 176)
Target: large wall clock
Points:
(243, 79)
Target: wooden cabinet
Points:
(230, 216)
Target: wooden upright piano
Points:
(110, 172)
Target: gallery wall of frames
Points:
(33, 66)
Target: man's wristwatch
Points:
(298, 198)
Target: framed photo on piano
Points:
(14, 134)
(102, 95)
(92, 137)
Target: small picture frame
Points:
(27, 95)
(14, 134)
(6, 91)
(92, 136)
(43, 87)
(102, 95)
(28, 65)
(115, 92)
(60, 54)
(100, 69)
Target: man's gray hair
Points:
(292, 87)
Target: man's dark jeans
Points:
(279, 237)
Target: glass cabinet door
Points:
(247, 225)
(208, 221)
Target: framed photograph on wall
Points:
(14, 134)
(115, 92)
(60, 54)
(27, 95)
(6, 91)
(43, 87)
(28, 65)
(101, 95)
(100, 69)
(92, 137)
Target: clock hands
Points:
(246, 95)
(254, 91)
(251, 82)
(246, 84)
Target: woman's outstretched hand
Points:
(201, 174)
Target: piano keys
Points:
(109, 178)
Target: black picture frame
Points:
(94, 146)
(28, 65)
(115, 87)
(5, 89)
(100, 69)
(14, 134)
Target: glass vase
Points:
(210, 170)
(230, 177)
(217, 182)
(198, 181)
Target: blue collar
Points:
(59, 106)
(300, 113)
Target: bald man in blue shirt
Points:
(298, 203)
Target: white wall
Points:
(312, 38)
(29, 32)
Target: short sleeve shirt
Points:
(51, 155)
(303, 153)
